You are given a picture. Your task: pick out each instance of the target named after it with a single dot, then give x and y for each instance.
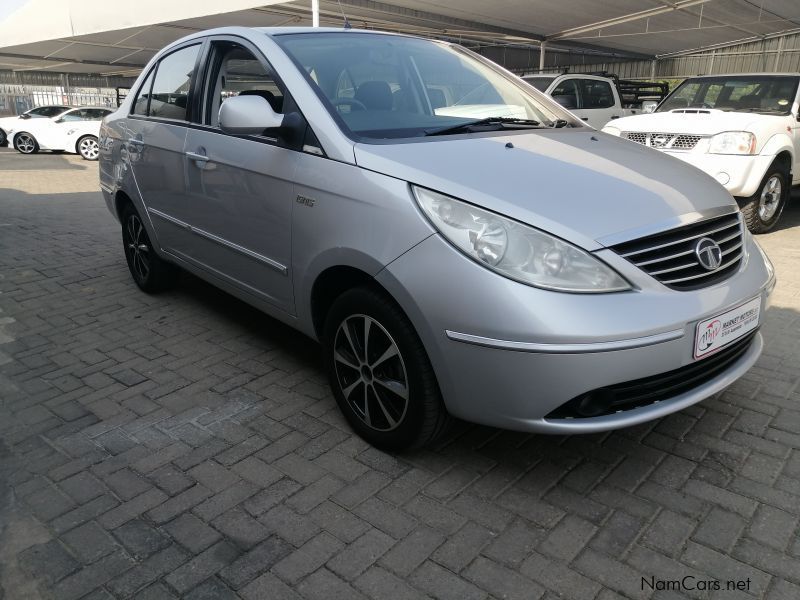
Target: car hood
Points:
(580, 185)
(705, 122)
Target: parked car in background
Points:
(74, 130)
(371, 191)
(40, 112)
(743, 130)
(598, 98)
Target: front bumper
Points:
(508, 354)
(741, 175)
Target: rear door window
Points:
(596, 94)
(169, 98)
(140, 105)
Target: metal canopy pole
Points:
(315, 13)
(541, 56)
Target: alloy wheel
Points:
(370, 372)
(25, 143)
(770, 200)
(89, 148)
(137, 247)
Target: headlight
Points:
(515, 250)
(611, 130)
(733, 142)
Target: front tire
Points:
(380, 373)
(88, 147)
(150, 272)
(3, 138)
(25, 143)
(763, 209)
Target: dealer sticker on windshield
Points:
(716, 332)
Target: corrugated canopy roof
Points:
(95, 36)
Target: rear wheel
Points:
(3, 138)
(88, 147)
(25, 143)
(380, 373)
(763, 209)
(150, 272)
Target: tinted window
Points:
(567, 94)
(47, 111)
(95, 114)
(170, 94)
(73, 115)
(596, 94)
(540, 83)
(140, 104)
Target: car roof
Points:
(720, 76)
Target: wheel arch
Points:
(80, 138)
(331, 283)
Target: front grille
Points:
(670, 257)
(649, 390)
(664, 141)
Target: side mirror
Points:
(60, 120)
(248, 115)
(649, 106)
(25, 116)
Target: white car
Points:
(40, 112)
(598, 99)
(75, 130)
(743, 130)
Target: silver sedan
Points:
(460, 244)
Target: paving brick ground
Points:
(186, 446)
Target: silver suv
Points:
(459, 243)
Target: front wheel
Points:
(380, 373)
(763, 209)
(149, 271)
(3, 138)
(88, 147)
(25, 143)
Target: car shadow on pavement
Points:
(791, 213)
(11, 160)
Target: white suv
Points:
(740, 129)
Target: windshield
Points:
(540, 83)
(47, 111)
(758, 93)
(385, 86)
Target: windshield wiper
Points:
(779, 111)
(500, 122)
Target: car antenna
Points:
(344, 16)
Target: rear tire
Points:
(25, 143)
(150, 272)
(3, 138)
(88, 147)
(763, 209)
(380, 373)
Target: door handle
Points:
(585, 119)
(614, 117)
(201, 158)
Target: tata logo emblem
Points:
(660, 140)
(708, 253)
